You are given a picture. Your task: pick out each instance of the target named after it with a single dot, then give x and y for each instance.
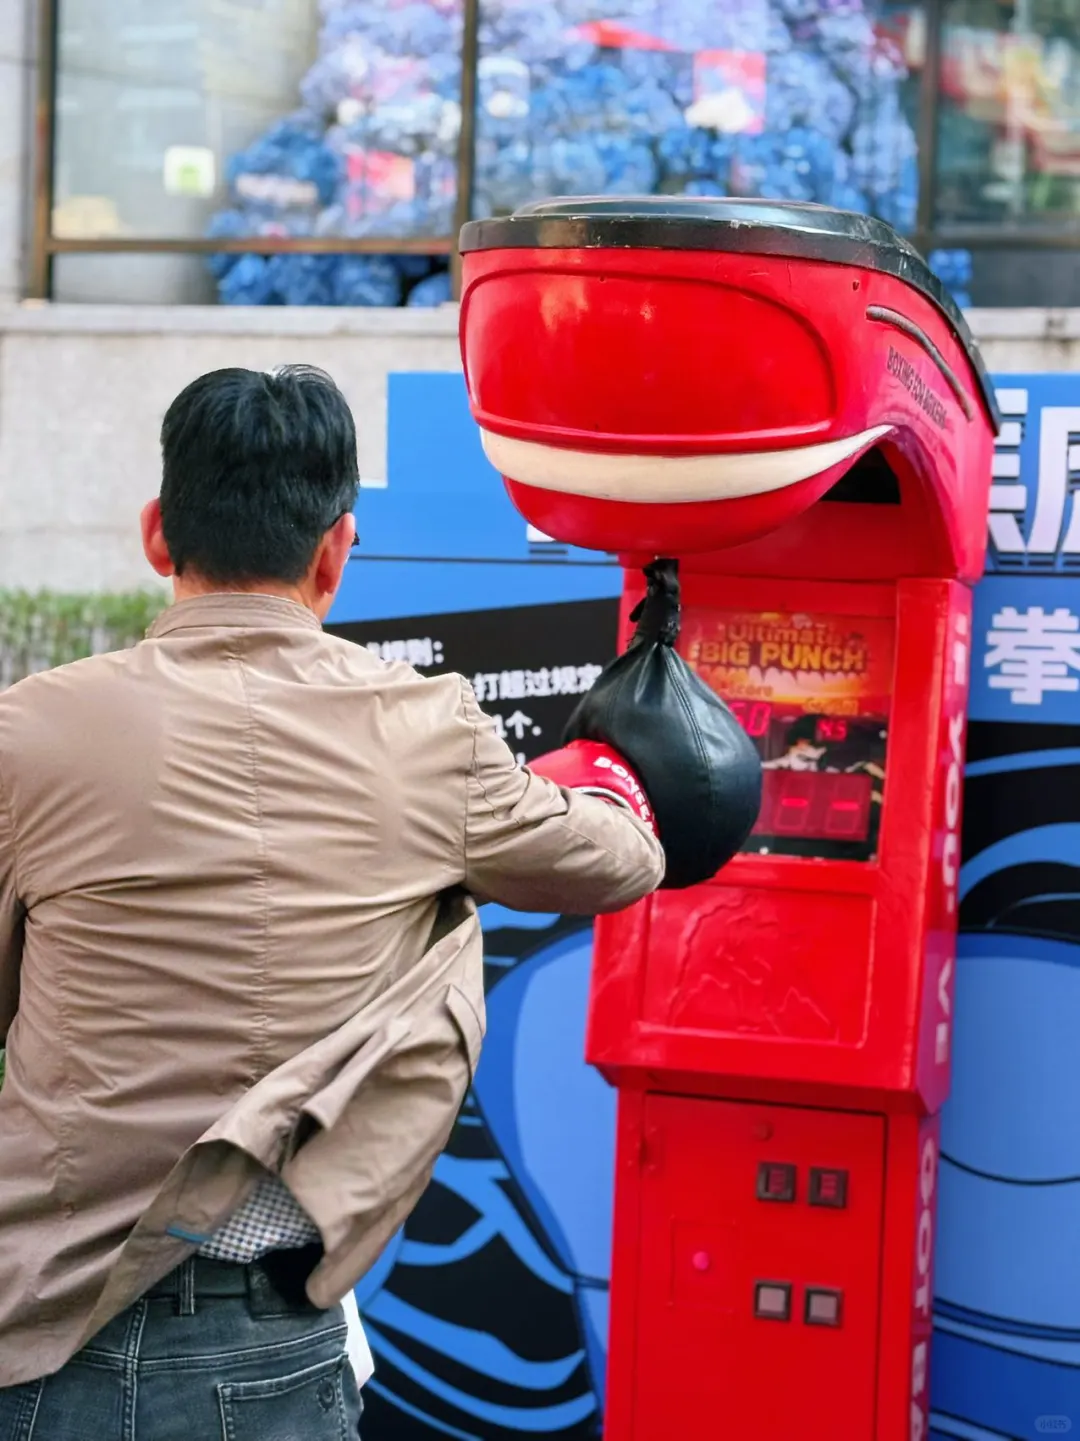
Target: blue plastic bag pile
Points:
(372, 151)
(954, 269)
(786, 99)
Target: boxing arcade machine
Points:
(784, 399)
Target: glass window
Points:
(187, 118)
(1009, 126)
(109, 279)
(155, 96)
(787, 99)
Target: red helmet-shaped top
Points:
(673, 376)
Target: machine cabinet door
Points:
(758, 1272)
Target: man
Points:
(240, 964)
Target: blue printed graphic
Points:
(442, 535)
(488, 1316)
(544, 1105)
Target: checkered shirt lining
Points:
(269, 1220)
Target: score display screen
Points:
(812, 692)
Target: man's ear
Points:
(332, 557)
(153, 539)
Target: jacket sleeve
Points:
(534, 846)
(11, 923)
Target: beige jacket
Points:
(237, 936)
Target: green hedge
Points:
(41, 630)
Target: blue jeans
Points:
(197, 1368)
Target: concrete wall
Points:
(1020, 341)
(83, 389)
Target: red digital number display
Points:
(815, 805)
(807, 805)
(830, 728)
(755, 716)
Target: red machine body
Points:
(790, 385)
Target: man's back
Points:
(227, 842)
(227, 839)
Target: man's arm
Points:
(534, 846)
(11, 923)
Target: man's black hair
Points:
(256, 467)
(803, 729)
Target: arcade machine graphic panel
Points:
(812, 690)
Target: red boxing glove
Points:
(597, 770)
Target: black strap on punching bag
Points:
(698, 767)
(658, 615)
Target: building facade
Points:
(332, 147)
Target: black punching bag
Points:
(699, 768)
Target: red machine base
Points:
(772, 1274)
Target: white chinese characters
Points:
(421, 651)
(1033, 652)
(520, 684)
(1008, 498)
(1050, 528)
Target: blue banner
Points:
(1006, 1361)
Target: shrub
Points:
(39, 630)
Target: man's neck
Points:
(188, 587)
